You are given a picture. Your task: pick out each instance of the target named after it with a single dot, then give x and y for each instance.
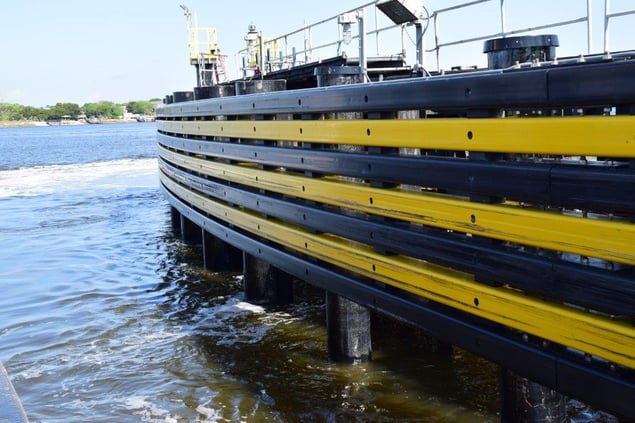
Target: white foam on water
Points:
(235, 321)
(241, 306)
(42, 180)
(149, 412)
(211, 415)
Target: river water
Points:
(107, 317)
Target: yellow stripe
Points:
(609, 136)
(609, 240)
(595, 335)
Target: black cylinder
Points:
(256, 86)
(181, 96)
(328, 76)
(214, 91)
(265, 283)
(348, 328)
(505, 52)
(524, 401)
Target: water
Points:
(107, 317)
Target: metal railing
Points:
(503, 28)
(281, 52)
(607, 18)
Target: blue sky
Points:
(122, 50)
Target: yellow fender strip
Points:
(592, 334)
(608, 136)
(609, 240)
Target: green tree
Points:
(140, 107)
(64, 109)
(103, 109)
(10, 111)
(34, 113)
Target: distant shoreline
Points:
(29, 123)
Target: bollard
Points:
(214, 91)
(182, 96)
(255, 86)
(505, 52)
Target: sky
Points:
(124, 50)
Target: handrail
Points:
(607, 17)
(503, 32)
(274, 54)
(280, 45)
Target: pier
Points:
(492, 208)
(11, 409)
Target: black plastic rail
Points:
(608, 83)
(558, 280)
(596, 188)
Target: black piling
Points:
(521, 399)
(263, 282)
(191, 233)
(348, 323)
(175, 220)
(348, 327)
(219, 256)
(524, 401)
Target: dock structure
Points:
(493, 208)
(11, 409)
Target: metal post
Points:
(436, 39)
(607, 6)
(362, 42)
(376, 32)
(419, 35)
(589, 26)
(261, 59)
(503, 24)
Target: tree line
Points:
(102, 109)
